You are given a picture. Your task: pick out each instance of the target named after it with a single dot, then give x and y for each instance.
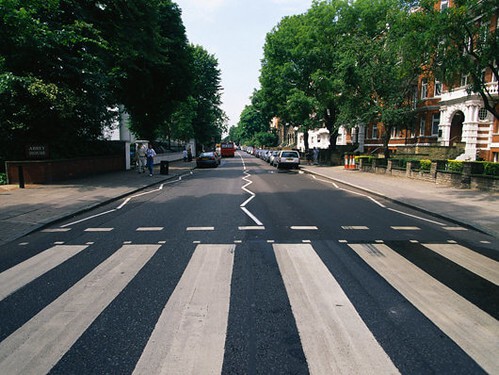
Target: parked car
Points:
(208, 159)
(272, 157)
(287, 159)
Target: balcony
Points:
(461, 93)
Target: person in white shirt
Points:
(150, 153)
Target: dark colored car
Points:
(208, 159)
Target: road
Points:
(245, 269)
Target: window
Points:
(435, 122)
(422, 126)
(438, 88)
(444, 4)
(483, 114)
(375, 132)
(424, 88)
(394, 132)
(465, 79)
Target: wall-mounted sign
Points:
(37, 152)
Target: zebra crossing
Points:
(190, 333)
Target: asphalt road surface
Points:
(245, 269)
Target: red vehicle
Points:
(228, 149)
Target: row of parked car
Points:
(279, 158)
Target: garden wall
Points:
(462, 180)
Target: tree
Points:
(150, 58)
(382, 65)
(300, 69)
(200, 116)
(465, 44)
(54, 82)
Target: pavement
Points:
(23, 211)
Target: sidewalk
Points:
(23, 211)
(471, 208)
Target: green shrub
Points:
(454, 166)
(424, 164)
(3, 179)
(491, 169)
(365, 159)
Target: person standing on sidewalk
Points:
(150, 153)
(316, 156)
(141, 158)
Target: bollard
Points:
(163, 167)
(21, 176)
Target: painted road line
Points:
(253, 217)
(334, 338)
(416, 217)
(405, 228)
(252, 195)
(199, 229)
(450, 229)
(87, 218)
(40, 343)
(149, 229)
(189, 337)
(472, 261)
(252, 227)
(99, 229)
(16, 277)
(304, 227)
(475, 331)
(56, 230)
(354, 227)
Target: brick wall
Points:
(49, 171)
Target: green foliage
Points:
(264, 139)
(3, 179)
(454, 54)
(455, 166)
(343, 63)
(491, 169)
(425, 164)
(64, 66)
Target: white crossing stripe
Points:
(56, 230)
(455, 228)
(475, 331)
(474, 262)
(189, 336)
(406, 228)
(304, 227)
(194, 229)
(252, 227)
(333, 335)
(355, 227)
(39, 344)
(99, 229)
(149, 229)
(16, 277)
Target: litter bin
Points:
(163, 169)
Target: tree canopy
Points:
(66, 65)
(344, 63)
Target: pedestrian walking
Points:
(185, 155)
(309, 156)
(141, 158)
(150, 153)
(189, 154)
(316, 156)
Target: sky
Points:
(234, 32)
